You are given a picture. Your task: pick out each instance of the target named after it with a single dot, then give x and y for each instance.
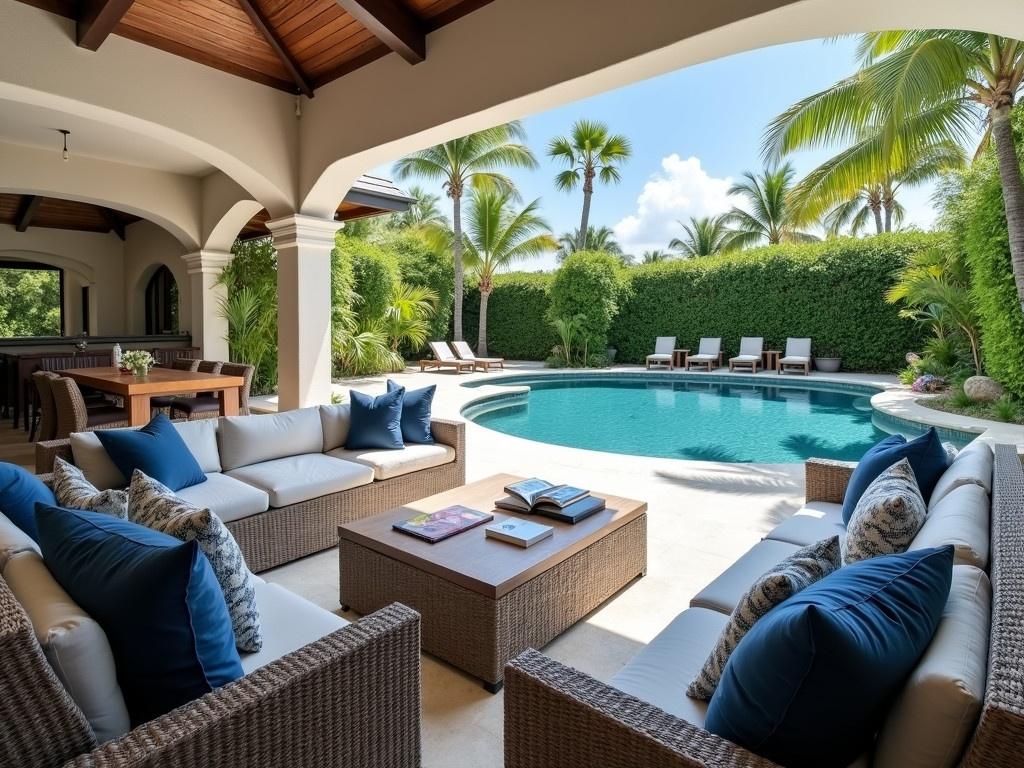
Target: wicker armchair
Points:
(556, 716)
(207, 405)
(74, 416)
(189, 364)
(45, 419)
(350, 699)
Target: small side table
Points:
(679, 357)
(770, 359)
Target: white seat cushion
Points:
(412, 458)
(795, 360)
(289, 623)
(246, 440)
(745, 359)
(702, 358)
(228, 498)
(659, 356)
(295, 479)
(724, 592)
(13, 540)
(933, 717)
(961, 518)
(816, 521)
(660, 672)
(74, 644)
(972, 466)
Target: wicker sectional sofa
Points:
(558, 716)
(282, 483)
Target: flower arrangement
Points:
(928, 383)
(138, 361)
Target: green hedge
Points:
(830, 291)
(588, 285)
(517, 328)
(374, 270)
(422, 266)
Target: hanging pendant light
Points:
(65, 155)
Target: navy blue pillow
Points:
(156, 598)
(416, 413)
(812, 680)
(157, 449)
(19, 492)
(927, 458)
(376, 421)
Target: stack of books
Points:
(565, 503)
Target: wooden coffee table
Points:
(483, 601)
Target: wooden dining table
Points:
(137, 391)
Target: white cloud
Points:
(681, 189)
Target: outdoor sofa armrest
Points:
(48, 450)
(558, 716)
(826, 479)
(350, 699)
(450, 432)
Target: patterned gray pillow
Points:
(887, 517)
(154, 505)
(798, 571)
(75, 492)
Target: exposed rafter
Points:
(27, 211)
(97, 19)
(115, 222)
(264, 28)
(393, 24)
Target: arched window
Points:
(162, 303)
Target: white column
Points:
(303, 246)
(209, 329)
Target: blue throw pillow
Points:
(376, 421)
(19, 492)
(811, 682)
(155, 597)
(416, 413)
(157, 449)
(926, 455)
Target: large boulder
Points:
(982, 389)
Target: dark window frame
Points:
(161, 303)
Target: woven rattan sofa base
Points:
(479, 634)
(559, 717)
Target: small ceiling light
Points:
(65, 155)
(298, 106)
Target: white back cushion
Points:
(248, 440)
(335, 421)
(972, 466)
(73, 643)
(13, 540)
(200, 436)
(961, 518)
(931, 720)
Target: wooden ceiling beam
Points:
(27, 211)
(115, 222)
(97, 20)
(393, 24)
(264, 28)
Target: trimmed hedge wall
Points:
(830, 291)
(517, 327)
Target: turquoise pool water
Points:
(687, 419)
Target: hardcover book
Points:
(440, 525)
(524, 533)
(533, 493)
(571, 513)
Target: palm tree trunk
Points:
(457, 258)
(888, 218)
(481, 341)
(877, 211)
(588, 190)
(1013, 192)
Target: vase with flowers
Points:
(138, 361)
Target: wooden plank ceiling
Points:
(294, 45)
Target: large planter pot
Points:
(827, 364)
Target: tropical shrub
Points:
(374, 275)
(421, 266)
(251, 310)
(587, 287)
(518, 328)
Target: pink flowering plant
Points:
(928, 383)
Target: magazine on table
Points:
(440, 525)
(523, 533)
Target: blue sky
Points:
(693, 131)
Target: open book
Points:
(559, 502)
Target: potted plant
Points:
(138, 361)
(828, 361)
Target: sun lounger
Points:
(664, 348)
(709, 355)
(464, 352)
(797, 357)
(750, 354)
(443, 358)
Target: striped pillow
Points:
(887, 517)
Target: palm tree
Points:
(423, 211)
(771, 218)
(497, 236)
(590, 152)
(407, 320)
(598, 239)
(919, 87)
(655, 256)
(705, 236)
(474, 160)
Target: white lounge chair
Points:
(664, 349)
(709, 355)
(443, 358)
(797, 357)
(750, 354)
(465, 352)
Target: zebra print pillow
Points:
(154, 505)
(887, 517)
(798, 571)
(73, 491)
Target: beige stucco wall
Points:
(146, 248)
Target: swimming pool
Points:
(698, 418)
